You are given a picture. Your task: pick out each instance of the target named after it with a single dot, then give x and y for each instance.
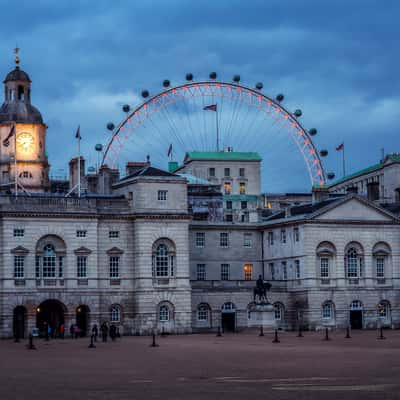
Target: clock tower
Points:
(22, 137)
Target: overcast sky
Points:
(336, 60)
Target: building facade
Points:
(156, 250)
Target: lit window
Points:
(327, 310)
(227, 187)
(324, 267)
(113, 234)
(202, 313)
(200, 239)
(247, 240)
(114, 266)
(283, 236)
(115, 314)
(162, 195)
(297, 268)
(224, 239)
(383, 310)
(81, 233)
(225, 272)
(164, 315)
(296, 234)
(19, 262)
(242, 188)
(248, 272)
(81, 266)
(18, 232)
(201, 272)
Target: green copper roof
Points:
(223, 156)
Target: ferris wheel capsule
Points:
(189, 76)
(110, 126)
(330, 175)
(166, 83)
(213, 75)
(312, 131)
(323, 153)
(259, 85)
(145, 93)
(98, 147)
(297, 113)
(126, 108)
(279, 97)
(236, 78)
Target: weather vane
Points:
(16, 51)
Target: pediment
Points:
(114, 251)
(355, 209)
(20, 250)
(82, 251)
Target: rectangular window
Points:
(324, 267)
(229, 205)
(296, 234)
(211, 172)
(228, 218)
(19, 262)
(224, 239)
(243, 205)
(272, 271)
(81, 233)
(247, 239)
(227, 187)
(270, 238)
(162, 195)
(49, 266)
(201, 272)
(225, 272)
(283, 236)
(284, 270)
(242, 172)
(113, 234)
(227, 172)
(248, 272)
(202, 314)
(380, 267)
(81, 266)
(200, 239)
(37, 267)
(19, 232)
(242, 188)
(114, 266)
(60, 267)
(297, 269)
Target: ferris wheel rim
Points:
(322, 177)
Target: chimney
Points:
(73, 172)
(319, 193)
(107, 177)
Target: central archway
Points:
(50, 313)
(82, 319)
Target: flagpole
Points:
(343, 162)
(216, 123)
(15, 163)
(79, 164)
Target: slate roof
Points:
(17, 75)
(150, 172)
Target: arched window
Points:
(163, 259)
(228, 307)
(354, 262)
(326, 253)
(49, 261)
(203, 312)
(356, 305)
(115, 313)
(279, 311)
(328, 310)
(164, 313)
(381, 257)
(50, 252)
(383, 310)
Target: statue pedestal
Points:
(263, 314)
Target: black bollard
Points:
(300, 334)
(154, 344)
(31, 346)
(219, 332)
(261, 331)
(276, 339)
(381, 333)
(162, 332)
(91, 345)
(326, 334)
(347, 333)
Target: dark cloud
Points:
(338, 61)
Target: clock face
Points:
(25, 142)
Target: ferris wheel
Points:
(213, 115)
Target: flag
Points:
(169, 150)
(6, 141)
(340, 147)
(212, 107)
(78, 133)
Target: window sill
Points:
(115, 281)
(83, 282)
(19, 282)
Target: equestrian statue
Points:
(261, 290)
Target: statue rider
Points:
(260, 283)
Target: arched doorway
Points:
(228, 317)
(82, 319)
(50, 313)
(356, 314)
(19, 322)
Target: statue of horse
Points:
(261, 291)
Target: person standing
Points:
(62, 331)
(95, 332)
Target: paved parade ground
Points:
(235, 366)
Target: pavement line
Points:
(333, 388)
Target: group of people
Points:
(105, 330)
(50, 332)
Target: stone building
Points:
(156, 250)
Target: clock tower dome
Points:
(22, 137)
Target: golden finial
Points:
(16, 51)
